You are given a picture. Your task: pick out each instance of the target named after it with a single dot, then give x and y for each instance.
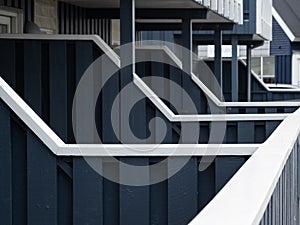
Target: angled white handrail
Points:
(193, 118)
(58, 147)
(95, 38)
(266, 87)
(214, 98)
(150, 94)
(29, 117)
(116, 59)
(245, 197)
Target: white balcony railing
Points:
(231, 9)
(266, 188)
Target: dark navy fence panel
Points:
(87, 192)
(65, 190)
(72, 20)
(182, 193)
(283, 69)
(6, 195)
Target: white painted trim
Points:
(29, 117)
(284, 26)
(58, 147)
(95, 38)
(201, 118)
(214, 98)
(296, 68)
(245, 197)
(158, 150)
(116, 59)
(5, 20)
(16, 16)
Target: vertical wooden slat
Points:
(84, 58)
(245, 132)
(134, 200)
(19, 60)
(61, 18)
(182, 192)
(28, 10)
(111, 196)
(231, 133)
(72, 19)
(19, 182)
(259, 132)
(5, 166)
(58, 89)
(159, 198)
(32, 75)
(41, 164)
(65, 198)
(76, 19)
(271, 125)
(81, 21)
(58, 107)
(157, 72)
(87, 192)
(8, 67)
(88, 198)
(225, 168)
(206, 186)
(67, 19)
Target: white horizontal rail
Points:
(215, 99)
(194, 118)
(58, 147)
(116, 59)
(245, 197)
(266, 87)
(29, 117)
(95, 38)
(158, 150)
(216, 6)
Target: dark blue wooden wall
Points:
(72, 20)
(281, 48)
(39, 188)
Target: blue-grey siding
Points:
(280, 44)
(39, 188)
(281, 48)
(72, 20)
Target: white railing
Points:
(231, 9)
(193, 118)
(58, 147)
(214, 98)
(245, 197)
(116, 59)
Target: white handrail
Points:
(116, 59)
(194, 118)
(245, 197)
(58, 147)
(214, 98)
(95, 38)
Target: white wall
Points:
(296, 69)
